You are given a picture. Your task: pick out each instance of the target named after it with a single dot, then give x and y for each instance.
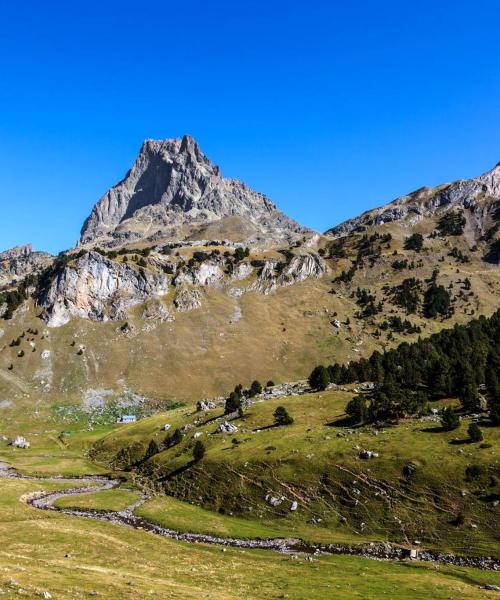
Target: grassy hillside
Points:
(415, 489)
(47, 382)
(72, 557)
(51, 552)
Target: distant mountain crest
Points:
(172, 191)
(481, 195)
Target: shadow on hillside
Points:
(214, 418)
(266, 427)
(343, 421)
(461, 442)
(178, 471)
(438, 429)
(486, 423)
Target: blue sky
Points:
(330, 108)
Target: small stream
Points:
(127, 518)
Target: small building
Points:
(127, 419)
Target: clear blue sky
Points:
(328, 107)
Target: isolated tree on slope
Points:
(475, 433)
(198, 450)
(281, 416)
(449, 419)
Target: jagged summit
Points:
(173, 191)
(479, 195)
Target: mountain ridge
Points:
(470, 193)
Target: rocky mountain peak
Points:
(171, 191)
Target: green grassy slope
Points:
(72, 558)
(339, 495)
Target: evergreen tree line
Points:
(455, 362)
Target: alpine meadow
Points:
(207, 395)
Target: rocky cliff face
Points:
(98, 289)
(300, 268)
(171, 191)
(480, 197)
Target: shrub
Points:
(270, 383)
(475, 434)
(281, 416)
(241, 253)
(473, 472)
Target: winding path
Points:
(375, 550)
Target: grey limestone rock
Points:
(173, 188)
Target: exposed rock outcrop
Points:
(156, 311)
(187, 298)
(208, 273)
(300, 267)
(173, 190)
(98, 289)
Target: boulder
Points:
(20, 442)
(366, 454)
(274, 500)
(226, 428)
(203, 405)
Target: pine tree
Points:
(151, 450)
(357, 409)
(449, 419)
(414, 242)
(174, 439)
(199, 450)
(475, 433)
(469, 397)
(233, 403)
(255, 389)
(319, 378)
(281, 416)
